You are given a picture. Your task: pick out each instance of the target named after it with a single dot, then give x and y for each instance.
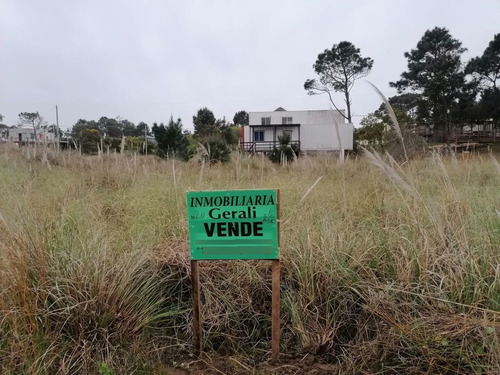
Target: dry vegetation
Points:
(387, 268)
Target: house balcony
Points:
(263, 146)
(265, 137)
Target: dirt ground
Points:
(236, 365)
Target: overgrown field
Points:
(386, 268)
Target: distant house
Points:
(26, 135)
(316, 130)
(21, 135)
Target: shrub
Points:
(136, 144)
(90, 139)
(415, 145)
(112, 143)
(285, 152)
(215, 149)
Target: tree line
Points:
(438, 92)
(215, 138)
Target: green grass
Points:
(385, 268)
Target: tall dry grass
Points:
(386, 268)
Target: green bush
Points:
(114, 144)
(136, 144)
(215, 149)
(285, 152)
(90, 139)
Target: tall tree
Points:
(142, 128)
(172, 142)
(32, 119)
(485, 72)
(204, 122)
(410, 104)
(80, 125)
(435, 72)
(215, 136)
(486, 68)
(227, 131)
(489, 107)
(338, 69)
(110, 127)
(128, 128)
(240, 118)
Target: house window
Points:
(258, 136)
(265, 120)
(286, 120)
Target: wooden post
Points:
(275, 317)
(275, 314)
(195, 283)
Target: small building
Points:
(21, 135)
(315, 130)
(26, 135)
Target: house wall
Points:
(268, 134)
(27, 135)
(46, 136)
(324, 137)
(317, 129)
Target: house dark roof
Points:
(280, 109)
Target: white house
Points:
(25, 135)
(319, 130)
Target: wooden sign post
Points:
(234, 224)
(195, 281)
(275, 317)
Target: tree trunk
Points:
(348, 105)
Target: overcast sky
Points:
(144, 60)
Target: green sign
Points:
(233, 224)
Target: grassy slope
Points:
(386, 269)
